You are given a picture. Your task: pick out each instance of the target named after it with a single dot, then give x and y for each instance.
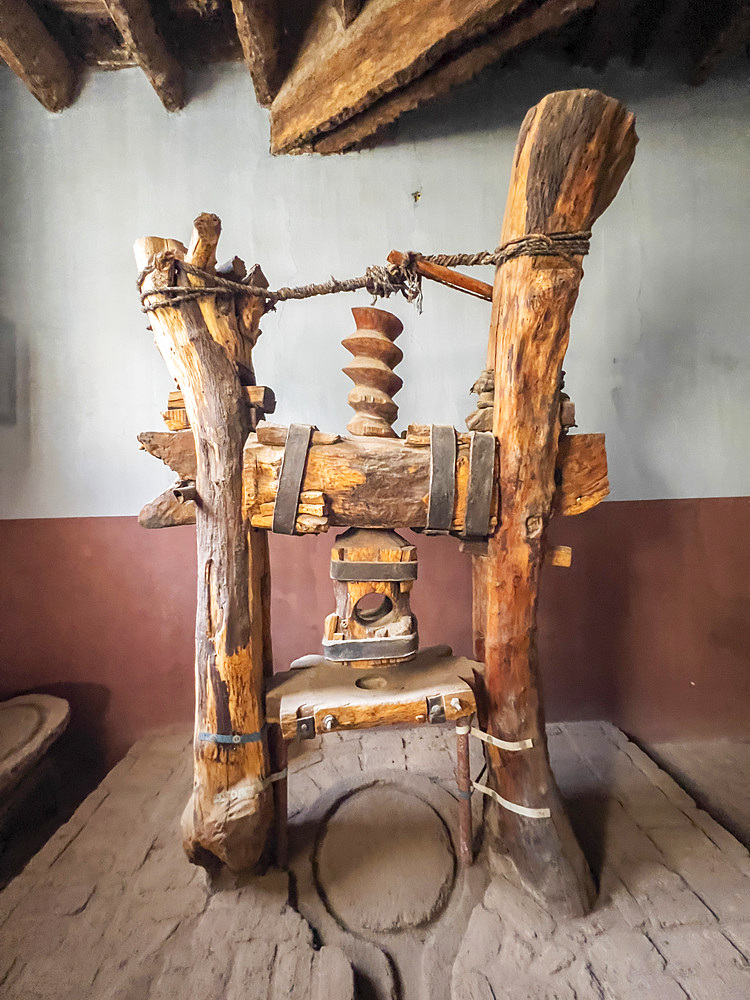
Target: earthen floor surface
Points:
(110, 908)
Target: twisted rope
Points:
(381, 281)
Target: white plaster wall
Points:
(659, 353)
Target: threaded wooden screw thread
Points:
(371, 369)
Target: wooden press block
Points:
(351, 698)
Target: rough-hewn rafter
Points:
(135, 22)
(259, 31)
(550, 16)
(734, 33)
(348, 10)
(340, 72)
(34, 55)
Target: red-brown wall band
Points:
(649, 628)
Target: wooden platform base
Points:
(327, 697)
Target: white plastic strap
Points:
(512, 806)
(246, 790)
(493, 740)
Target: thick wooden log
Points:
(573, 152)
(135, 22)
(341, 72)
(448, 73)
(379, 483)
(259, 32)
(230, 812)
(34, 55)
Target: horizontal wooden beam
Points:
(34, 56)
(450, 73)
(372, 482)
(259, 32)
(339, 72)
(135, 22)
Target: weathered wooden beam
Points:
(340, 72)
(729, 35)
(573, 152)
(34, 56)
(449, 73)
(135, 22)
(230, 812)
(347, 10)
(377, 482)
(259, 31)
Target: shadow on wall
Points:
(8, 390)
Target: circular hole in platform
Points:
(371, 608)
(372, 683)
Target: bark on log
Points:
(34, 55)
(230, 812)
(573, 152)
(379, 483)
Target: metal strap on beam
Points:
(385, 648)
(290, 478)
(442, 478)
(381, 572)
(481, 477)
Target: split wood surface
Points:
(573, 152)
(374, 482)
(206, 346)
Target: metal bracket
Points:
(306, 727)
(231, 739)
(290, 478)
(376, 648)
(435, 709)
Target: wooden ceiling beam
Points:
(259, 30)
(733, 33)
(34, 56)
(135, 22)
(552, 15)
(347, 10)
(339, 72)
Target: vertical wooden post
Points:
(463, 779)
(573, 152)
(230, 812)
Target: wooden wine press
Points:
(494, 488)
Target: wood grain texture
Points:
(34, 56)
(259, 31)
(450, 72)
(573, 152)
(229, 814)
(340, 71)
(380, 482)
(135, 22)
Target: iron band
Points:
(442, 478)
(290, 478)
(381, 572)
(385, 648)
